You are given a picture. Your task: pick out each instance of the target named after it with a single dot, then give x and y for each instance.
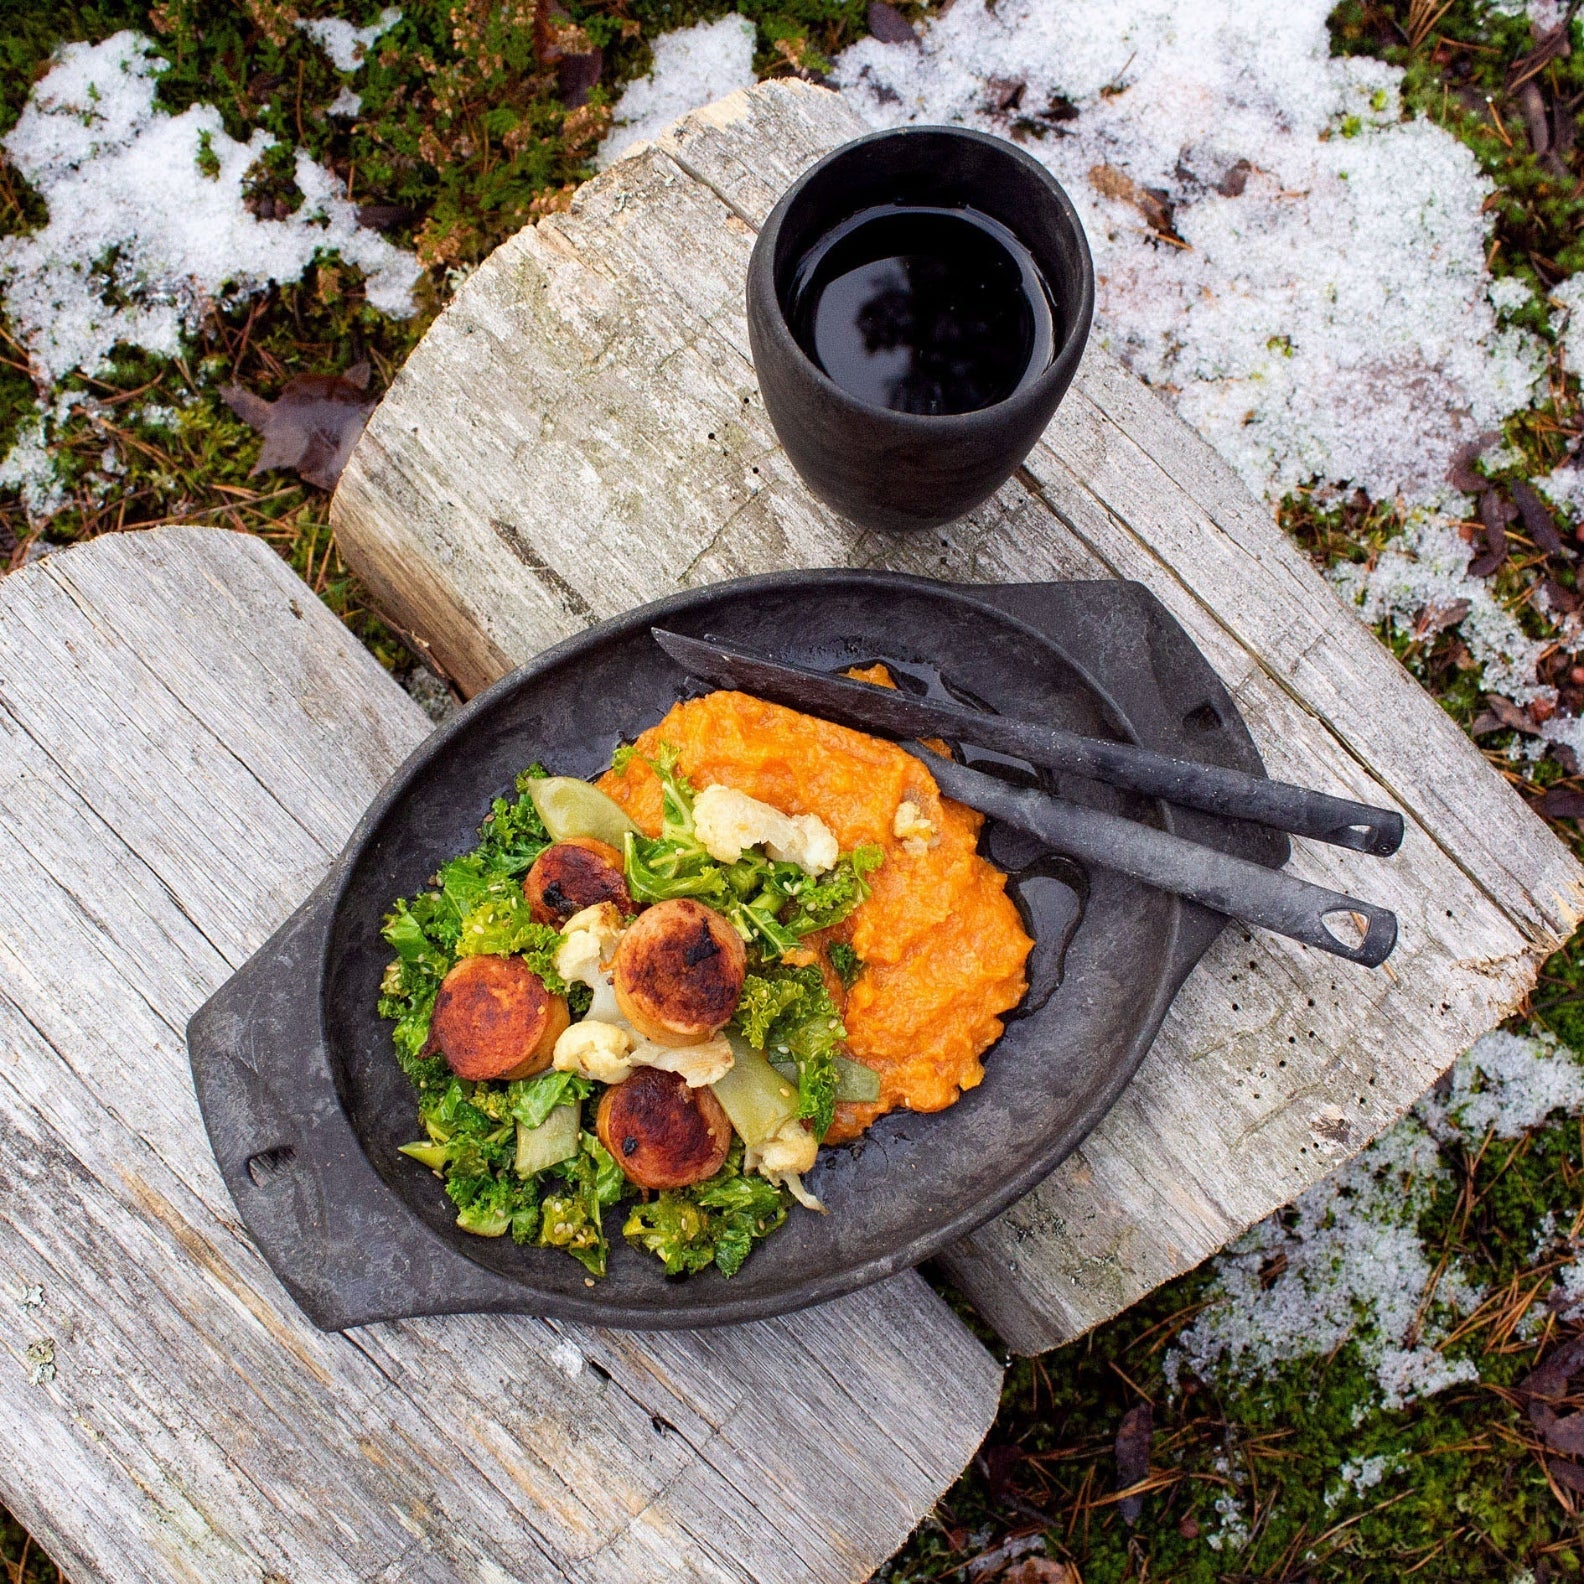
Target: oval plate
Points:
(305, 1103)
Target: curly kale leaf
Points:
(788, 1013)
(573, 1200)
(846, 962)
(531, 1100)
(820, 903)
(512, 834)
(717, 1223)
(490, 1204)
(762, 1002)
(675, 1230)
(771, 904)
(502, 924)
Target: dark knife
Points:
(1299, 810)
(1266, 897)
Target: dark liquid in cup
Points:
(924, 310)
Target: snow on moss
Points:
(146, 218)
(1345, 1262)
(347, 46)
(1422, 575)
(147, 226)
(692, 66)
(1329, 316)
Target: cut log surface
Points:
(581, 431)
(187, 738)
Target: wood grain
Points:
(186, 738)
(625, 453)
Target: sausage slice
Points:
(571, 875)
(493, 1018)
(679, 972)
(663, 1134)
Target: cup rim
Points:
(1058, 372)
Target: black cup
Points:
(886, 469)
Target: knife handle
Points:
(1264, 897)
(1231, 793)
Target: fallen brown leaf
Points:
(1039, 1570)
(1132, 1457)
(311, 426)
(1567, 1434)
(1538, 522)
(1004, 94)
(1550, 1376)
(1568, 1475)
(1561, 598)
(1436, 618)
(1506, 715)
(385, 216)
(1235, 180)
(1495, 513)
(888, 24)
(1460, 472)
(1151, 202)
(1536, 123)
(1559, 803)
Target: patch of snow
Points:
(1570, 1288)
(1508, 294)
(692, 67)
(29, 469)
(347, 46)
(1565, 487)
(1332, 319)
(1354, 1268)
(1506, 1084)
(1568, 322)
(1425, 569)
(130, 212)
(1359, 1475)
(345, 105)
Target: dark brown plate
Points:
(306, 1105)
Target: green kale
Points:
(828, 900)
(675, 1230)
(763, 1000)
(788, 1013)
(531, 1100)
(490, 1204)
(623, 756)
(502, 924)
(846, 962)
(573, 1200)
(716, 1223)
(771, 904)
(512, 834)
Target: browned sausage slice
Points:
(679, 972)
(571, 875)
(663, 1134)
(493, 1018)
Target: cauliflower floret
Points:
(784, 1157)
(595, 1049)
(791, 1148)
(588, 940)
(700, 1064)
(726, 821)
(910, 827)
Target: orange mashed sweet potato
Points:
(941, 943)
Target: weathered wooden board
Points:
(581, 431)
(186, 739)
